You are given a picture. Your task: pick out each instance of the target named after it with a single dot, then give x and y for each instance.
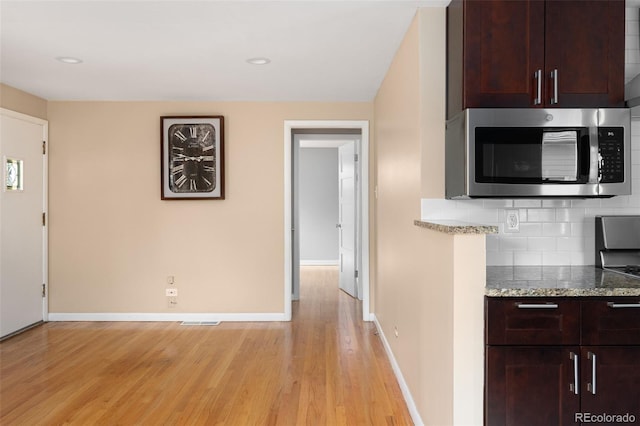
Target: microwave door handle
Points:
(594, 156)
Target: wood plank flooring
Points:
(326, 367)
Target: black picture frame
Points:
(192, 157)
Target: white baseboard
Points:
(332, 262)
(406, 393)
(178, 316)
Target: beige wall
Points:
(113, 241)
(429, 285)
(399, 251)
(23, 102)
(433, 84)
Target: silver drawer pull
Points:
(537, 305)
(573, 387)
(623, 305)
(538, 98)
(554, 77)
(591, 387)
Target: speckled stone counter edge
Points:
(454, 227)
(561, 292)
(558, 281)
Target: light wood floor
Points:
(326, 367)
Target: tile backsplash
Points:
(632, 40)
(552, 232)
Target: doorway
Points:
(326, 207)
(23, 224)
(351, 140)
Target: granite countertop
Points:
(455, 227)
(556, 281)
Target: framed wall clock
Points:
(192, 157)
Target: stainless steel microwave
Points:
(538, 153)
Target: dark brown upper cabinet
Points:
(535, 53)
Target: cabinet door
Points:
(584, 42)
(503, 48)
(530, 385)
(616, 374)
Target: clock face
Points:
(192, 158)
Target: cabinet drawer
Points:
(611, 321)
(532, 321)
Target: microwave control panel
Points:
(611, 150)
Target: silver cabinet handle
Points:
(574, 386)
(623, 305)
(591, 387)
(554, 77)
(537, 305)
(538, 77)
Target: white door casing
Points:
(347, 217)
(295, 227)
(23, 235)
(290, 126)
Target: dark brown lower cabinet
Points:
(536, 385)
(530, 386)
(563, 361)
(611, 384)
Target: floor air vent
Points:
(200, 323)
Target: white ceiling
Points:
(197, 50)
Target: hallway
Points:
(326, 367)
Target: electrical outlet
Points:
(172, 301)
(171, 292)
(512, 221)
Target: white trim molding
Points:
(330, 262)
(178, 316)
(289, 127)
(406, 393)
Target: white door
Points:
(347, 217)
(22, 234)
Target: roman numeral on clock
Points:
(177, 169)
(181, 180)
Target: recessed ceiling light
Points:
(69, 60)
(259, 61)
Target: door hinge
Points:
(356, 274)
(355, 157)
(44, 219)
(44, 147)
(44, 290)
